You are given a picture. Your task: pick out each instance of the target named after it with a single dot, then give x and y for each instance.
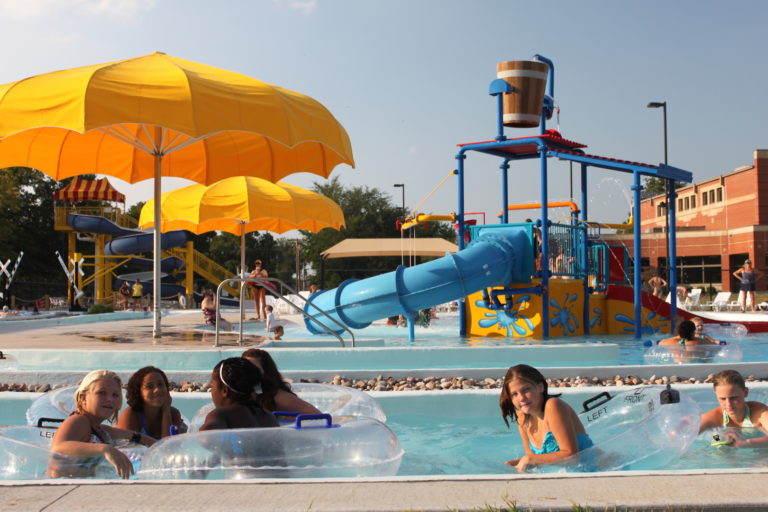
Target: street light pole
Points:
(663, 106)
(401, 186)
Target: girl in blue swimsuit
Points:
(549, 428)
(149, 408)
(735, 412)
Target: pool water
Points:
(462, 433)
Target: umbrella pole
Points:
(156, 329)
(242, 283)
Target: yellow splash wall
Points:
(606, 315)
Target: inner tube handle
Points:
(588, 406)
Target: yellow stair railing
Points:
(207, 268)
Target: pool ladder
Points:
(278, 296)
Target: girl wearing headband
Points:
(234, 382)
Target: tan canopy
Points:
(362, 247)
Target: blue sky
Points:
(409, 78)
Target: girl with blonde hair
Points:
(82, 435)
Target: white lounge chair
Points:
(722, 299)
(692, 301)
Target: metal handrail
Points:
(280, 297)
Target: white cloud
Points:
(412, 150)
(119, 9)
(305, 7)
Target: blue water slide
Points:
(495, 258)
(133, 241)
(130, 241)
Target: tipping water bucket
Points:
(522, 107)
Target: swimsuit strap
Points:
(746, 423)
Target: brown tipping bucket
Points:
(522, 107)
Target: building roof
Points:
(367, 247)
(88, 190)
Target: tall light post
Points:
(663, 106)
(401, 186)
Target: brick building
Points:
(720, 223)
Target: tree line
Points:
(27, 210)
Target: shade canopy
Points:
(88, 190)
(362, 247)
(158, 115)
(243, 204)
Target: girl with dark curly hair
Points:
(149, 408)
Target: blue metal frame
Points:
(543, 152)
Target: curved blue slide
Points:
(498, 256)
(132, 241)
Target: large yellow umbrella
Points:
(159, 115)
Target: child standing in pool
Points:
(82, 435)
(735, 411)
(549, 428)
(149, 408)
(234, 382)
(687, 336)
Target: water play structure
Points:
(532, 279)
(112, 244)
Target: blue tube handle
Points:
(310, 417)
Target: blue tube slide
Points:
(497, 257)
(133, 241)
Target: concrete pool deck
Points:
(701, 491)
(695, 490)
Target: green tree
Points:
(26, 205)
(369, 213)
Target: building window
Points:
(680, 204)
(687, 203)
(719, 194)
(704, 198)
(712, 196)
(693, 201)
(661, 209)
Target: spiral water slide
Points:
(132, 241)
(498, 256)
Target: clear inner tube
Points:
(682, 354)
(633, 430)
(334, 400)
(338, 447)
(25, 454)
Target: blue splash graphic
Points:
(646, 327)
(597, 319)
(513, 321)
(563, 316)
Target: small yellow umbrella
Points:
(240, 205)
(159, 115)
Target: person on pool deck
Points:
(149, 408)
(657, 284)
(277, 394)
(699, 323)
(258, 292)
(82, 435)
(234, 382)
(748, 276)
(734, 411)
(208, 306)
(125, 294)
(549, 427)
(137, 295)
(686, 335)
